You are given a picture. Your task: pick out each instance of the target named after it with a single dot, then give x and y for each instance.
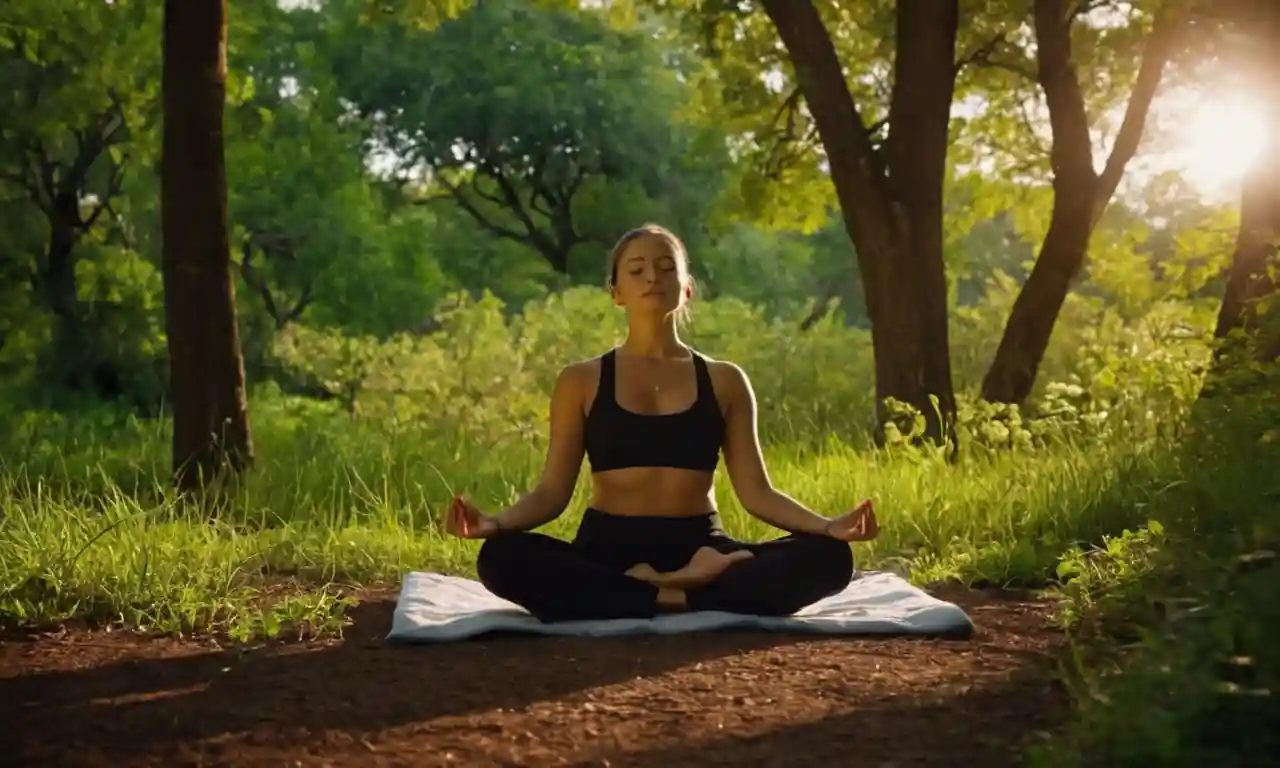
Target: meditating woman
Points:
(652, 417)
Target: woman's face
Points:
(651, 277)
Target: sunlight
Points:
(1219, 142)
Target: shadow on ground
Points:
(989, 727)
(116, 701)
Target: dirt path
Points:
(711, 699)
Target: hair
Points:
(649, 229)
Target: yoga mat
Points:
(436, 608)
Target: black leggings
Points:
(556, 580)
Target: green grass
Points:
(1174, 660)
(1153, 521)
(1156, 542)
(90, 530)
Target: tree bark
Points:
(891, 201)
(211, 433)
(1080, 194)
(1251, 276)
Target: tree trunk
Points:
(1080, 195)
(210, 411)
(891, 203)
(916, 153)
(1251, 275)
(1250, 278)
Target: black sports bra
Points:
(617, 438)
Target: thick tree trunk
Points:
(916, 153)
(891, 204)
(1080, 195)
(1255, 261)
(210, 410)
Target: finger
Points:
(741, 554)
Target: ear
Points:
(688, 291)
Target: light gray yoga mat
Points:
(435, 608)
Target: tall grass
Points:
(349, 490)
(1156, 523)
(1174, 624)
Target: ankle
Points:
(672, 599)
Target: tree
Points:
(211, 432)
(1252, 275)
(75, 104)
(1080, 193)
(525, 132)
(891, 196)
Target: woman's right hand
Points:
(464, 520)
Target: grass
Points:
(1159, 545)
(89, 530)
(1174, 659)
(1154, 523)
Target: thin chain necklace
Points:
(656, 387)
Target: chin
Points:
(661, 304)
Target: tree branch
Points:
(255, 281)
(1071, 154)
(814, 58)
(982, 54)
(304, 301)
(1159, 47)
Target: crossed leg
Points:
(556, 580)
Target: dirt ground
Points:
(728, 698)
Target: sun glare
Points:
(1218, 143)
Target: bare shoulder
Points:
(579, 376)
(729, 379)
(578, 380)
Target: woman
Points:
(652, 417)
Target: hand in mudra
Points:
(858, 525)
(464, 520)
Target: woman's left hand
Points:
(858, 525)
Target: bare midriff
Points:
(653, 491)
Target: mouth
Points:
(654, 292)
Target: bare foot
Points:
(645, 572)
(704, 567)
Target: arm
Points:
(745, 463)
(551, 495)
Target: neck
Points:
(656, 337)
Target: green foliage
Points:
(412, 347)
(349, 488)
(566, 137)
(1173, 624)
